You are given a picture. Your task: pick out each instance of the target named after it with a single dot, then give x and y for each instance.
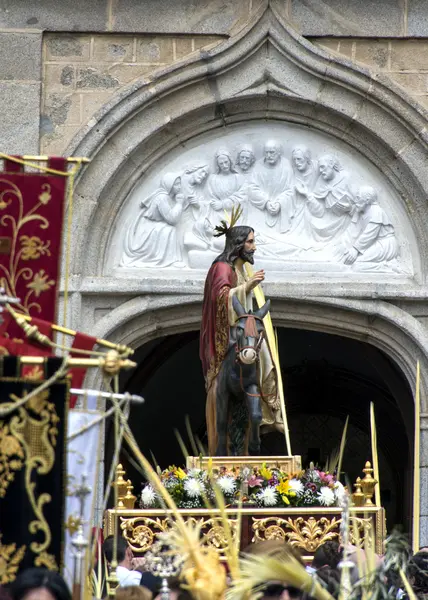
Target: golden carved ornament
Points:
(307, 534)
(141, 532)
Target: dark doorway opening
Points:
(326, 378)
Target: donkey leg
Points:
(255, 415)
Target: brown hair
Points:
(133, 592)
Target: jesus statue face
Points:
(247, 252)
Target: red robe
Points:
(214, 336)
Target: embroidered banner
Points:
(32, 479)
(31, 219)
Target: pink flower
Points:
(326, 478)
(255, 481)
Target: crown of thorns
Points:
(224, 227)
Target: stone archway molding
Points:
(376, 322)
(264, 71)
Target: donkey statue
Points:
(238, 397)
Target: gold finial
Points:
(121, 486)
(129, 500)
(358, 496)
(112, 580)
(368, 484)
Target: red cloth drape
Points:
(82, 342)
(31, 223)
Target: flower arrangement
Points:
(265, 488)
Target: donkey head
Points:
(249, 331)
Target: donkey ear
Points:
(237, 307)
(263, 311)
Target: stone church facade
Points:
(156, 91)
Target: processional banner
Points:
(31, 224)
(32, 473)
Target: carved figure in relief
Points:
(271, 187)
(331, 201)
(245, 160)
(223, 186)
(196, 218)
(372, 234)
(241, 388)
(152, 239)
(305, 173)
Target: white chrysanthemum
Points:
(148, 496)
(296, 486)
(326, 496)
(194, 472)
(193, 487)
(339, 492)
(227, 484)
(268, 496)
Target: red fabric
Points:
(82, 342)
(219, 276)
(31, 216)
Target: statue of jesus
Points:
(226, 279)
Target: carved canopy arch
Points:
(265, 71)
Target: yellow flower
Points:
(40, 283)
(180, 473)
(265, 472)
(283, 487)
(33, 247)
(285, 500)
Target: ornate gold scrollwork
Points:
(310, 533)
(141, 532)
(10, 559)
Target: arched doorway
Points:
(327, 377)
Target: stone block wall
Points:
(404, 61)
(82, 72)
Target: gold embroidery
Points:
(10, 559)
(38, 439)
(46, 560)
(40, 283)
(30, 247)
(11, 458)
(221, 334)
(45, 195)
(33, 247)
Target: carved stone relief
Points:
(315, 204)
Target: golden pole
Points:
(71, 159)
(416, 468)
(103, 363)
(374, 454)
(119, 347)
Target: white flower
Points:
(193, 487)
(339, 492)
(194, 472)
(268, 496)
(148, 496)
(326, 496)
(227, 484)
(296, 486)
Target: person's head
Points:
(272, 152)
(223, 161)
(171, 182)
(301, 157)
(328, 554)
(418, 572)
(133, 592)
(198, 174)
(240, 243)
(331, 579)
(39, 584)
(124, 554)
(365, 196)
(245, 158)
(328, 166)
